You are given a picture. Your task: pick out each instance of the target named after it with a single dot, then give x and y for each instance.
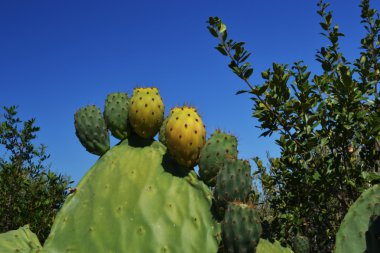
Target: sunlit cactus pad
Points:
(21, 240)
(266, 246)
(128, 202)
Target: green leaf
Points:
(316, 176)
(221, 49)
(265, 74)
(222, 28)
(324, 26)
(213, 31)
(241, 92)
(248, 73)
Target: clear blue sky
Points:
(57, 56)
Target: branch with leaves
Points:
(242, 68)
(328, 125)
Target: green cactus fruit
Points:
(21, 240)
(241, 228)
(300, 244)
(161, 133)
(233, 183)
(129, 202)
(351, 234)
(213, 153)
(373, 235)
(185, 135)
(266, 246)
(91, 130)
(146, 112)
(116, 115)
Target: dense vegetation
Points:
(328, 128)
(30, 192)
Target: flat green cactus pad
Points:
(351, 235)
(128, 202)
(21, 240)
(266, 246)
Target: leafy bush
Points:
(30, 193)
(328, 126)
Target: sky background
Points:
(58, 56)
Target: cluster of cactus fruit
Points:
(144, 195)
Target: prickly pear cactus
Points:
(213, 153)
(241, 228)
(266, 246)
(351, 235)
(146, 112)
(128, 202)
(91, 130)
(161, 134)
(373, 235)
(300, 244)
(21, 240)
(185, 135)
(116, 115)
(233, 183)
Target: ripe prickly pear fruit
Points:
(128, 202)
(300, 244)
(351, 234)
(91, 130)
(241, 228)
(185, 135)
(214, 153)
(116, 115)
(146, 112)
(233, 183)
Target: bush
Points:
(30, 193)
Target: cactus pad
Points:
(146, 112)
(373, 235)
(91, 130)
(241, 228)
(233, 183)
(21, 240)
(128, 202)
(351, 237)
(300, 244)
(116, 115)
(213, 153)
(266, 246)
(185, 135)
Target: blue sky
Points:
(57, 56)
